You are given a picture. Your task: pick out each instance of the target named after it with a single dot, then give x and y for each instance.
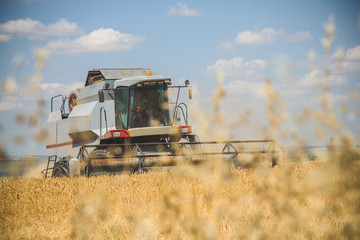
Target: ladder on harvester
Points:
(52, 158)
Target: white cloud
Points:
(329, 98)
(353, 54)
(265, 36)
(293, 93)
(182, 10)
(253, 38)
(11, 102)
(73, 86)
(63, 28)
(101, 40)
(309, 79)
(317, 77)
(351, 67)
(237, 67)
(345, 62)
(48, 90)
(5, 37)
(48, 86)
(225, 45)
(51, 89)
(19, 61)
(299, 36)
(33, 29)
(284, 67)
(240, 87)
(6, 106)
(339, 63)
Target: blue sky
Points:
(247, 41)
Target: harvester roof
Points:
(99, 75)
(124, 76)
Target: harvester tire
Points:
(101, 154)
(58, 172)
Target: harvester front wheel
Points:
(101, 154)
(58, 172)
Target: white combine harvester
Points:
(122, 120)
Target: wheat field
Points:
(294, 200)
(302, 200)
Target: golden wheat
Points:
(309, 200)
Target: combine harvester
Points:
(122, 120)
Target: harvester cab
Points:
(123, 119)
(116, 106)
(142, 111)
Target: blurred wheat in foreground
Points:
(305, 200)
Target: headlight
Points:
(116, 134)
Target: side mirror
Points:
(190, 93)
(101, 96)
